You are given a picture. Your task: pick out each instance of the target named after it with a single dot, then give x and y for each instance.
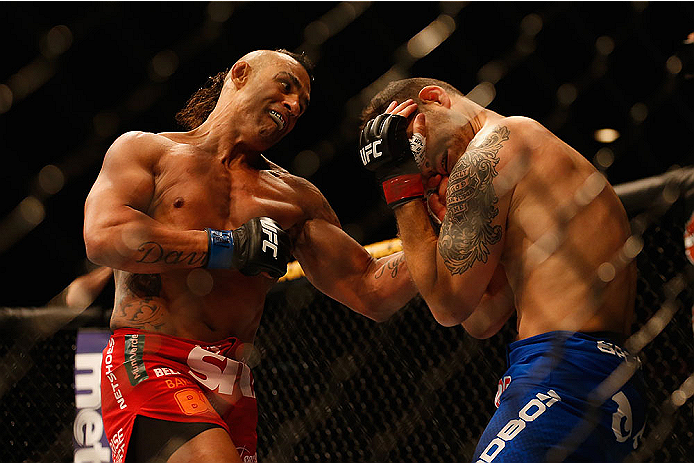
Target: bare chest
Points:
(190, 194)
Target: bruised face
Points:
(276, 94)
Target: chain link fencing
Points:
(335, 386)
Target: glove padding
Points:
(259, 245)
(385, 150)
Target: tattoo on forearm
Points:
(393, 266)
(153, 252)
(467, 230)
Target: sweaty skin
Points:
(528, 225)
(156, 193)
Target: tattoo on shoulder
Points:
(467, 230)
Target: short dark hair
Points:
(202, 102)
(401, 90)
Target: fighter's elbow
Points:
(448, 308)
(102, 249)
(380, 310)
(483, 333)
(448, 314)
(93, 246)
(378, 316)
(96, 249)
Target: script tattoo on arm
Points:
(153, 252)
(392, 266)
(467, 230)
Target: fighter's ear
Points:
(435, 94)
(240, 73)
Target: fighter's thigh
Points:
(524, 427)
(210, 446)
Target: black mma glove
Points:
(259, 245)
(385, 150)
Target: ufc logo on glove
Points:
(368, 150)
(271, 242)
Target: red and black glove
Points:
(385, 150)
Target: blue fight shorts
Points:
(547, 407)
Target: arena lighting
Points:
(606, 135)
(34, 75)
(431, 36)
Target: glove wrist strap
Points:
(403, 188)
(220, 249)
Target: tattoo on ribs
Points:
(144, 285)
(467, 230)
(144, 313)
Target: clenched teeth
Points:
(277, 117)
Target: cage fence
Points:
(335, 386)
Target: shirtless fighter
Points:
(197, 227)
(527, 227)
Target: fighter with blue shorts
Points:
(549, 405)
(515, 222)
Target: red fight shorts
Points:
(175, 379)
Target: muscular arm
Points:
(341, 268)
(494, 309)
(118, 233)
(452, 270)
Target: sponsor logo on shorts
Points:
(244, 454)
(111, 376)
(220, 374)
(613, 349)
(531, 411)
(192, 401)
(134, 363)
(118, 446)
(504, 383)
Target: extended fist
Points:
(259, 245)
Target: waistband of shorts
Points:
(118, 332)
(569, 340)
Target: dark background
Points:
(117, 67)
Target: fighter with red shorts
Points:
(198, 226)
(149, 375)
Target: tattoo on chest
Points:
(152, 253)
(467, 230)
(392, 266)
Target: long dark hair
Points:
(202, 102)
